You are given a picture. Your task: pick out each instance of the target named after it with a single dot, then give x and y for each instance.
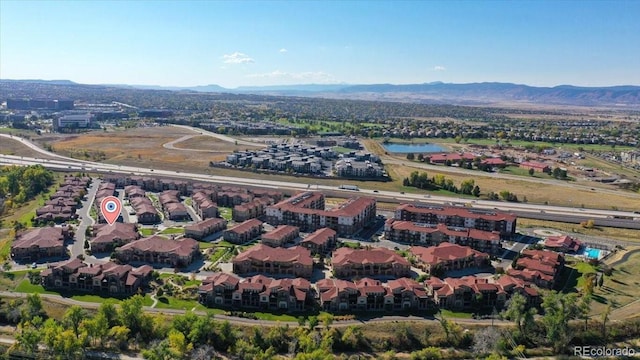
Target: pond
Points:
(413, 148)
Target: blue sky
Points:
(181, 43)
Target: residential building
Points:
(468, 292)
(40, 243)
(280, 235)
(108, 237)
(563, 243)
(539, 267)
(261, 292)
(109, 278)
(321, 241)
(202, 229)
(264, 259)
(204, 205)
(347, 262)
(160, 250)
(536, 166)
(244, 232)
(480, 219)
(447, 256)
(146, 213)
(433, 234)
(253, 209)
(218, 289)
(306, 211)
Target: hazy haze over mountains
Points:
(434, 92)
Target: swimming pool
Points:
(592, 253)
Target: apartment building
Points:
(347, 262)
(263, 259)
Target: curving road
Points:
(220, 136)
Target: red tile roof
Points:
(345, 255)
(444, 229)
(445, 252)
(159, 244)
(46, 237)
(264, 253)
(462, 212)
(105, 233)
(246, 226)
(280, 232)
(320, 236)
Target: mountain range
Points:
(486, 93)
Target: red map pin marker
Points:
(111, 207)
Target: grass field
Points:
(179, 304)
(225, 213)
(147, 231)
(622, 289)
(605, 232)
(172, 230)
(14, 147)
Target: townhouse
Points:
(479, 219)
(261, 292)
(107, 237)
(372, 295)
(433, 234)
(244, 232)
(40, 243)
(203, 204)
(306, 211)
(295, 261)
(160, 250)
(539, 267)
(447, 256)
(146, 213)
(173, 208)
(563, 243)
(347, 262)
(280, 236)
(202, 229)
(250, 210)
(109, 278)
(321, 241)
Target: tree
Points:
(130, 314)
(486, 340)
(531, 171)
(430, 353)
(516, 307)
(411, 156)
(605, 318)
(108, 310)
(313, 322)
(33, 306)
(466, 187)
(559, 309)
(476, 191)
(119, 334)
(28, 337)
(73, 317)
(97, 328)
(585, 309)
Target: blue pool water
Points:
(413, 148)
(592, 253)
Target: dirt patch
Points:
(203, 142)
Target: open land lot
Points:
(628, 235)
(621, 290)
(14, 147)
(208, 143)
(144, 147)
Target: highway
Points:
(547, 212)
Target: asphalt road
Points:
(602, 217)
(77, 248)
